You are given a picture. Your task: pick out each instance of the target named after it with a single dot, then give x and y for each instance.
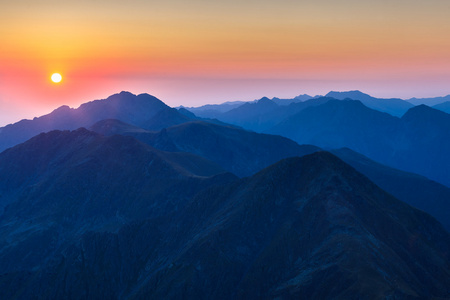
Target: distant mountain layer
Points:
(429, 101)
(263, 114)
(211, 110)
(308, 228)
(215, 110)
(445, 107)
(419, 142)
(142, 110)
(417, 145)
(254, 116)
(395, 107)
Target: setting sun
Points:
(56, 77)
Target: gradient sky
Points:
(196, 52)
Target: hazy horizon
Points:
(21, 115)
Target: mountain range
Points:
(393, 106)
(142, 110)
(117, 219)
(155, 202)
(416, 142)
(244, 153)
(214, 110)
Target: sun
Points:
(56, 77)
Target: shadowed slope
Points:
(304, 228)
(416, 190)
(62, 184)
(308, 228)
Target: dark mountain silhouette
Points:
(418, 142)
(428, 134)
(342, 123)
(429, 101)
(238, 151)
(60, 185)
(445, 107)
(304, 228)
(142, 110)
(395, 107)
(416, 190)
(36, 160)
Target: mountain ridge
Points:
(134, 109)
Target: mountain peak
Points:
(264, 100)
(62, 109)
(424, 112)
(354, 95)
(303, 97)
(318, 167)
(121, 95)
(125, 93)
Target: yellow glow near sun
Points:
(56, 77)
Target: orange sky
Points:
(196, 52)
